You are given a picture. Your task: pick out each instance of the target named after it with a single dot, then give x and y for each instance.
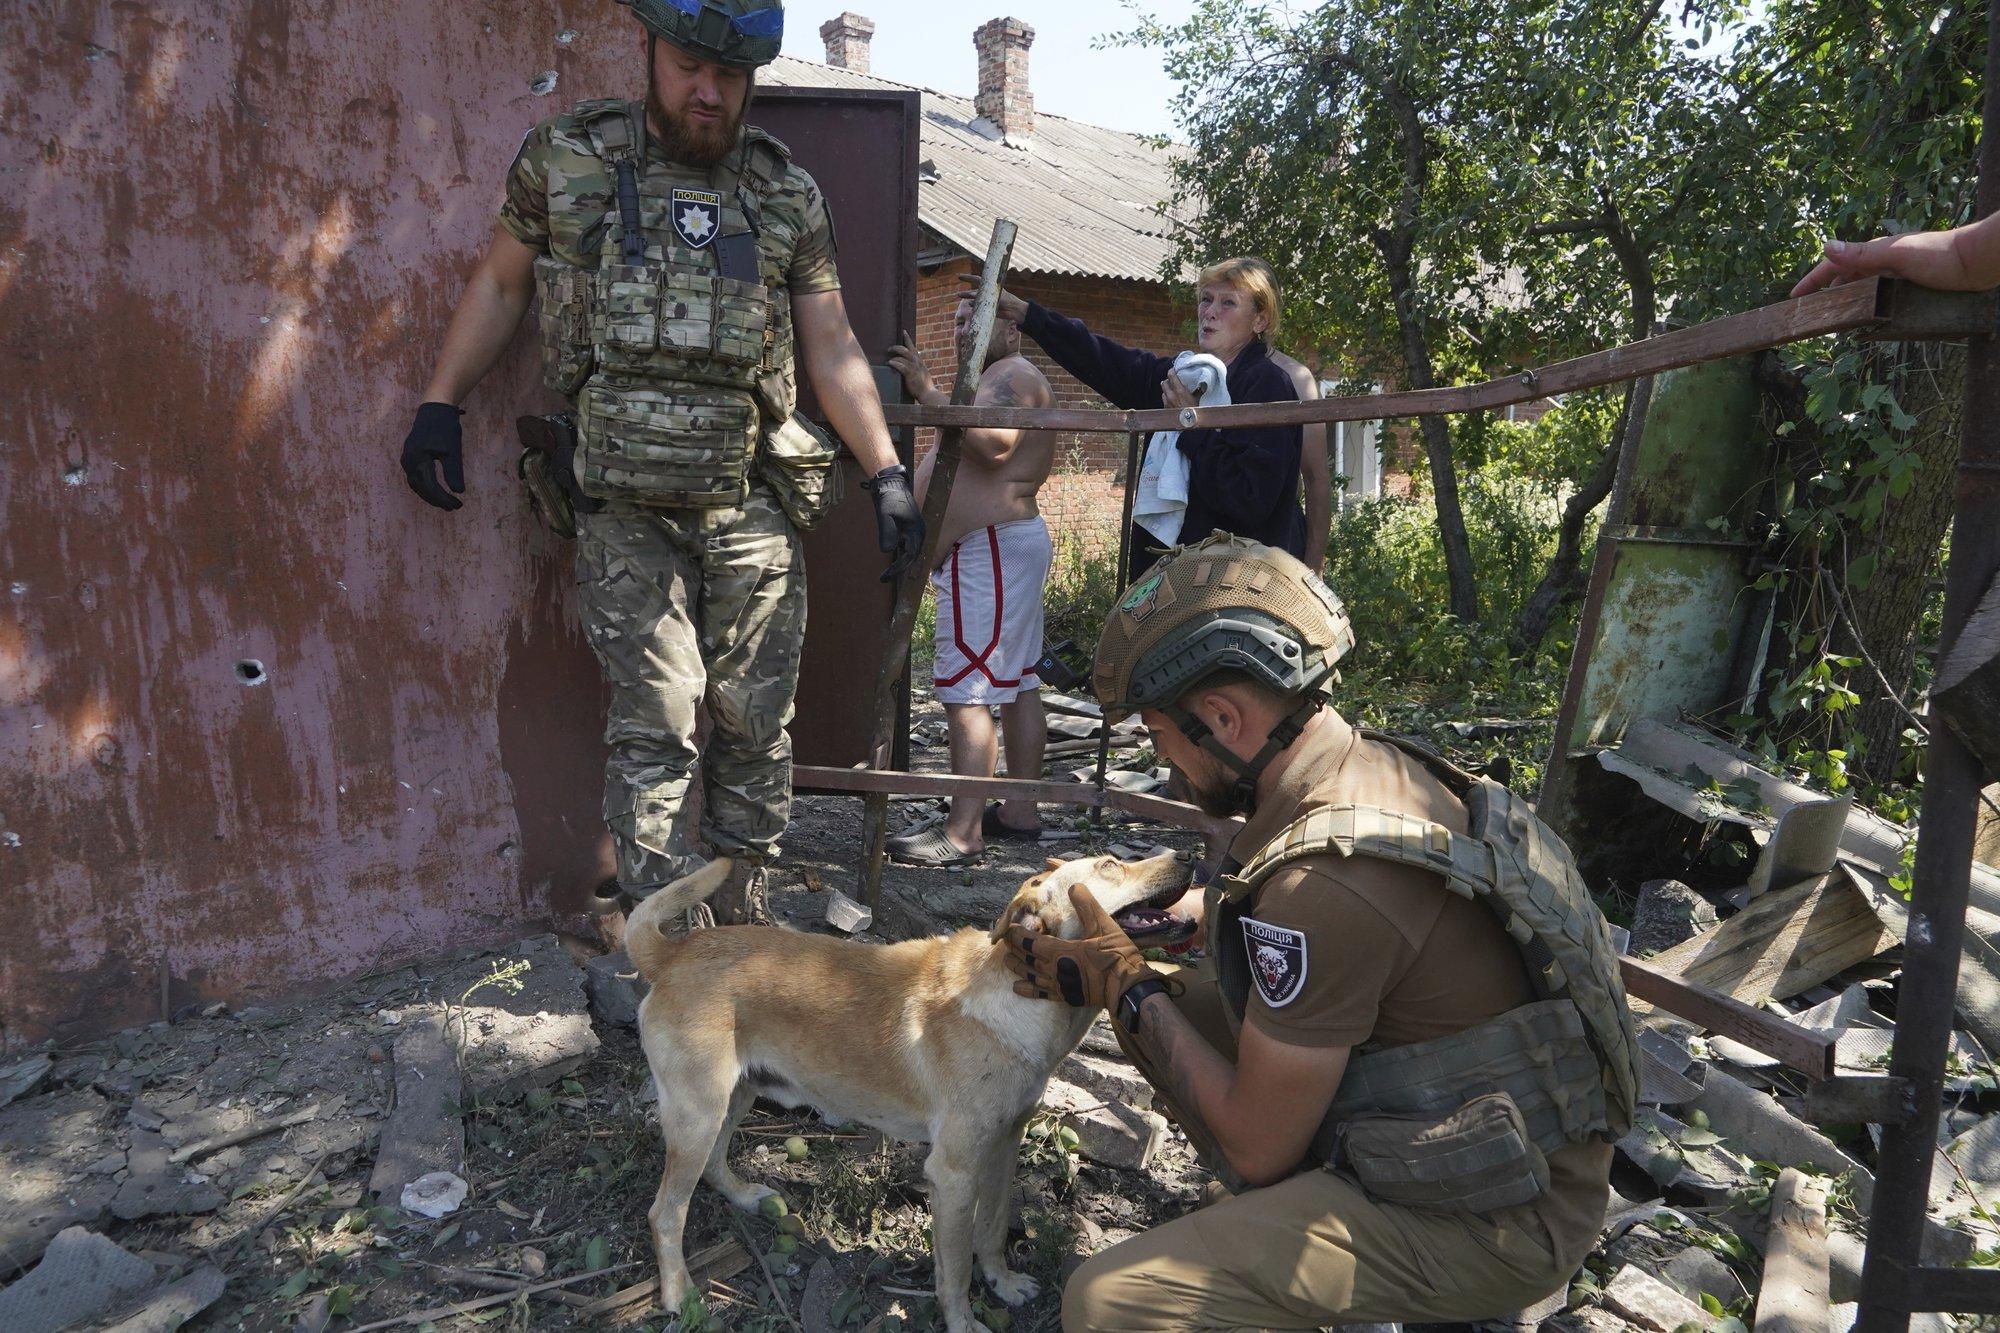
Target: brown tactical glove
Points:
(1091, 972)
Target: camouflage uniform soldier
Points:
(679, 256)
(1409, 1051)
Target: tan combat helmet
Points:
(1225, 604)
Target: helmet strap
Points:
(1243, 793)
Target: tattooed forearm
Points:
(1168, 1039)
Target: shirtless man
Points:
(995, 554)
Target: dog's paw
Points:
(751, 1197)
(1015, 1288)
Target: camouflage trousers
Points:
(687, 607)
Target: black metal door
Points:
(861, 147)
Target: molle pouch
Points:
(629, 313)
(681, 447)
(687, 311)
(1476, 1159)
(742, 312)
(567, 355)
(801, 464)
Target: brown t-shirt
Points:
(1388, 954)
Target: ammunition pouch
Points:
(801, 464)
(1475, 1159)
(547, 467)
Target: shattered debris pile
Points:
(1746, 1184)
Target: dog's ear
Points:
(1053, 863)
(1018, 912)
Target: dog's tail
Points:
(646, 938)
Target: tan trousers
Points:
(1310, 1251)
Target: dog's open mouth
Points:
(1155, 928)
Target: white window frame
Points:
(1356, 454)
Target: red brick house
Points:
(1093, 242)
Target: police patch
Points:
(697, 215)
(1277, 961)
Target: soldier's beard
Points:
(690, 144)
(1210, 787)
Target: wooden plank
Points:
(1851, 305)
(1793, 1298)
(809, 777)
(910, 589)
(1809, 1052)
(1785, 942)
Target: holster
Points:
(547, 467)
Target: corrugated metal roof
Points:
(1087, 199)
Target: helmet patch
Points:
(1145, 595)
(1277, 961)
(697, 216)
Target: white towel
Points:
(1160, 503)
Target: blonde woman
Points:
(1242, 479)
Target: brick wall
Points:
(1082, 500)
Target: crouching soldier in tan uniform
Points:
(678, 255)
(1414, 1050)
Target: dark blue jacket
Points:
(1243, 479)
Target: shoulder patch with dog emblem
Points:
(697, 214)
(1277, 961)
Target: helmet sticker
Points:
(1140, 600)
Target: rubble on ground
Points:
(476, 1130)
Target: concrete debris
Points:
(1755, 1124)
(424, 1135)
(48, 1145)
(846, 915)
(527, 1039)
(1117, 1135)
(1652, 1304)
(1668, 913)
(615, 989)
(172, 1305)
(1107, 1078)
(435, 1195)
(155, 1184)
(1793, 1297)
(1695, 1272)
(23, 1077)
(81, 1275)
(1684, 1157)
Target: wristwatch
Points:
(1134, 996)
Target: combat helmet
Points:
(1225, 604)
(741, 33)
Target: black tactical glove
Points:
(899, 528)
(432, 440)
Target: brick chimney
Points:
(1004, 97)
(847, 39)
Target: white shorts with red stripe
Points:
(989, 613)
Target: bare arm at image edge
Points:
(1964, 259)
(1315, 471)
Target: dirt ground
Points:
(562, 1149)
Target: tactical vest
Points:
(674, 340)
(1569, 1060)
